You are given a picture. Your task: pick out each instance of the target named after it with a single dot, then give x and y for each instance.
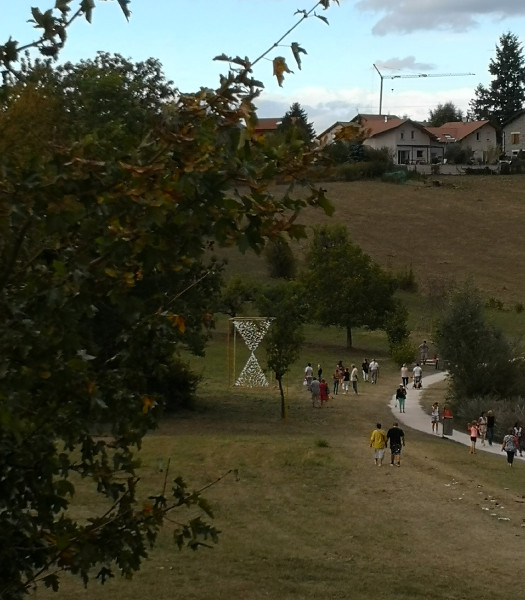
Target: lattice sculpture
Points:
(252, 331)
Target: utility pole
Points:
(415, 76)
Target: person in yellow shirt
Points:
(378, 443)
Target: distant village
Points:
(414, 143)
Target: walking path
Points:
(416, 417)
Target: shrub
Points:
(178, 386)
(507, 412)
(518, 307)
(458, 155)
(402, 353)
(494, 303)
(280, 260)
(406, 280)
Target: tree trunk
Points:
(349, 337)
(283, 401)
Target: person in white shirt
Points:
(353, 378)
(418, 376)
(308, 375)
(373, 369)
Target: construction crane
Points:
(414, 76)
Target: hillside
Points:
(468, 226)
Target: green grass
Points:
(307, 514)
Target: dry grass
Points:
(311, 516)
(469, 226)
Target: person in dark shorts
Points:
(491, 422)
(397, 439)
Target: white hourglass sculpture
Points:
(252, 331)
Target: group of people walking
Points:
(379, 441)
(483, 429)
(344, 376)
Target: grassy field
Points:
(309, 516)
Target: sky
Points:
(337, 79)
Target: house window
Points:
(515, 138)
(402, 136)
(412, 134)
(419, 154)
(477, 136)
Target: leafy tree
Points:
(506, 92)
(345, 286)
(285, 302)
(236, 293)
(295, 125)
(104, 279)
(479, 357)
(110, 103)
(396, 324)
(444, 113)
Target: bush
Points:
(458, 155)
(402, 353)
(480, 358)
(507, 412)
(406, 280)
(280, 260)
(178, 386)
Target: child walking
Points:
(435, 417)
(474, 432)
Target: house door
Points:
(403, 157)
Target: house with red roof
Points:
(267, 126)
(478, 136)
(409, 142)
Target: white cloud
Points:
(324, 106)
(407, 63)
(406, 16)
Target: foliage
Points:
(346, 287)
(480, 359)
(456, 154)
(295, 125)
(245, 66)
(444, 113)
(506, 92)
(403, 352)
(178, 387)
(105, 277)
(406, 280)
(52, 26)
(396, 324)
(342, 151)
(286, 303)
(280, 259)
(236, 293)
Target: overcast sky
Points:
(337, 79)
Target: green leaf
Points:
(324, 19)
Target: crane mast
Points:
(413, 76)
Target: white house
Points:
(409, 142)
(478, 136)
